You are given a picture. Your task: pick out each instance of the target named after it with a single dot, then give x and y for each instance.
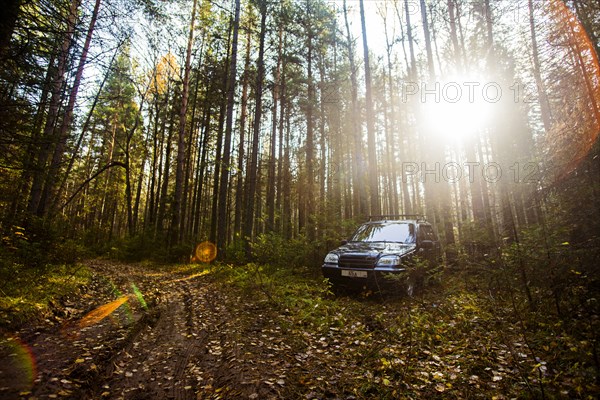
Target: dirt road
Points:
(173, 338)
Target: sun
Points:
(456, 110)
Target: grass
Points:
(453, 340)
(28, 295)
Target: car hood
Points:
(376, 248)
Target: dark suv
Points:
(387, 245)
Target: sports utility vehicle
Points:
(386, 245)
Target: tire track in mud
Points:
(189, 350)
(160, 361)
(194, 340)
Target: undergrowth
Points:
(29, 295)
(457, 339)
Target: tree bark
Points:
(391, 124)
(222, 220)
(270, 200)
(65, 127)
(239, 189)
(48, 135)
(310, 141)
(176, 226)
(541, 88)
(252, 172)
(360, 207)
(371, 146)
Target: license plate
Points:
(354, 274)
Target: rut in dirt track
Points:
(185, 353)
(183, 345)
(161, 360)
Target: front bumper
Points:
(369, 276)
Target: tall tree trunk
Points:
(218, 151)
(176, 226)
(165, 176)
(412, 71)
(49, 191)
(8, 20)
(84, 128)
(279, 195)
(434, 37)
(155, 170)
(218, 157)
(412, 67)
(310, 141)
(489, 27)
(325, 164)
(371, 145)
(360, 208)
(200, 171)
(48, 137)
(224, 184)
(427, 35)
(270, 199)
(437, 194)
(29, 156)
(541, 88)
(239, 189)
(287, 178)
(453, 35)
(335, 132)
(192, 153)
(138, 190)
(391, 125)
(128, 185)
(252, 172)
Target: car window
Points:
(385, 232)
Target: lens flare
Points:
(577, 120)
(19, 361)
(205, 252)
(190, 277)
(102, 312)
(139, 296)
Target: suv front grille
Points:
(357, 261)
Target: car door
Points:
(429, 244)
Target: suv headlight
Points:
(331, 258)
(388, 261)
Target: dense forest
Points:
(137, 129)
(169, 123)
(141, 128)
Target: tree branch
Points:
(91, 178)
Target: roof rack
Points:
(418, 217)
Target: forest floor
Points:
(138, 331)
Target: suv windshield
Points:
(402, 232)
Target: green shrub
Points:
(273, 249)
